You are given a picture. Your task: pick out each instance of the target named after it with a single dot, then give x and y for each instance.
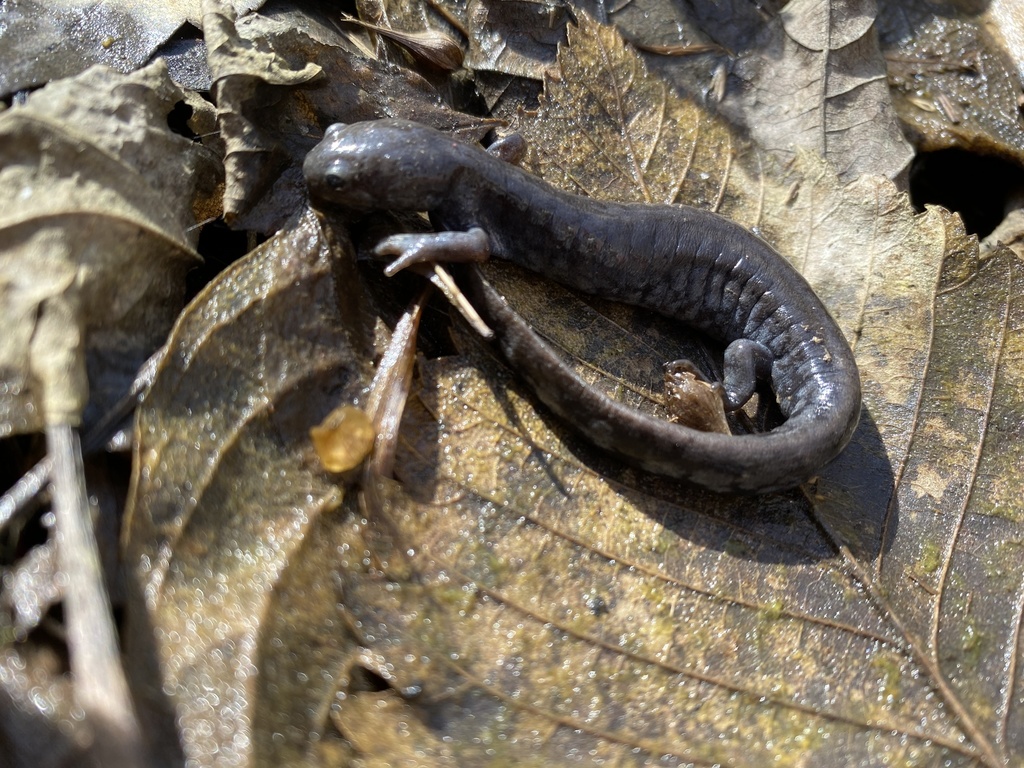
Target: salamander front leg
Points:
(423, 252)
(462, 247)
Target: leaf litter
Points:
(528, 598)
(549, 599)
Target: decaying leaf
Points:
(819, 84)
(244, 78)
(799, 75)
(641, 142)
(954, 82)
(94, 240)
(435, 49)
(897, 282)
(514, 38)
(76, 35)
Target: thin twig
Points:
(101, 689)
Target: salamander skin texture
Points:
(687, 264)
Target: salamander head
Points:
(382, 164)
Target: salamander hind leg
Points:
(462, 247)
(746, 361)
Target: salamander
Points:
(688, 264)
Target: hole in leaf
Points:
(979, 188)
(363, 679)
(177, 120)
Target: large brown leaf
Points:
(227, 486)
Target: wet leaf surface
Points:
(953, 82)
(515, 38)
(227, 486)
(521, 596)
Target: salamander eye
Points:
(340, 172)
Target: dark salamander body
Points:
(690, 265)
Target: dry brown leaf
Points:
(817, 82)
(808, 76)
(430, 47)
(514, 38)
(98, 197)
(244, 73)
(609, 129)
